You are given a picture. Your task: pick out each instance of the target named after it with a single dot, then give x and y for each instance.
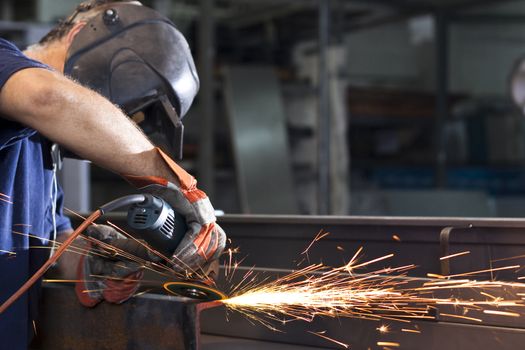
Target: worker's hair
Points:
(83, 12)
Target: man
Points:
(104, 45)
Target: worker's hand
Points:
(105, 273)
(205, 240)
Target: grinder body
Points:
(158, 224)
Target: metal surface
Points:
(260, 142)
(287, 236)
(147, 322)
(420, 241)
(211, 342)
(362, 335)
(324, 117)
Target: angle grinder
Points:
(152, 218)
(155, 221)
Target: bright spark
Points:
(383, 329)
(410, 330)
(320, 235)
(501, 313)
(5, 201)
(388, 343)
(7, 252)
(384, 294)
(454, 255)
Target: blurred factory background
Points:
(360, 107)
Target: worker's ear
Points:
(77, 27)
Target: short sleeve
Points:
(13, 60)
(62, 221)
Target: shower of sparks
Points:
(384, 294)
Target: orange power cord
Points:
(92, 218)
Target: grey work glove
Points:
(204, 241)
(103, 274)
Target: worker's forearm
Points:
(80, 120)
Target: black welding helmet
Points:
(138, 59)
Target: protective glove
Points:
(204, 241)
(105, 275)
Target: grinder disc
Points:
(194, 291)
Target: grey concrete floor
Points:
(211, 342)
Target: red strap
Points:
(143, 181)
(203, 241)
(194, 195)
(187, 182)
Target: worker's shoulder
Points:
(7, 45)
(12, 60)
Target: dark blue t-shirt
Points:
(26, 209)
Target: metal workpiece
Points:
(146, 322)
(416, 241)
